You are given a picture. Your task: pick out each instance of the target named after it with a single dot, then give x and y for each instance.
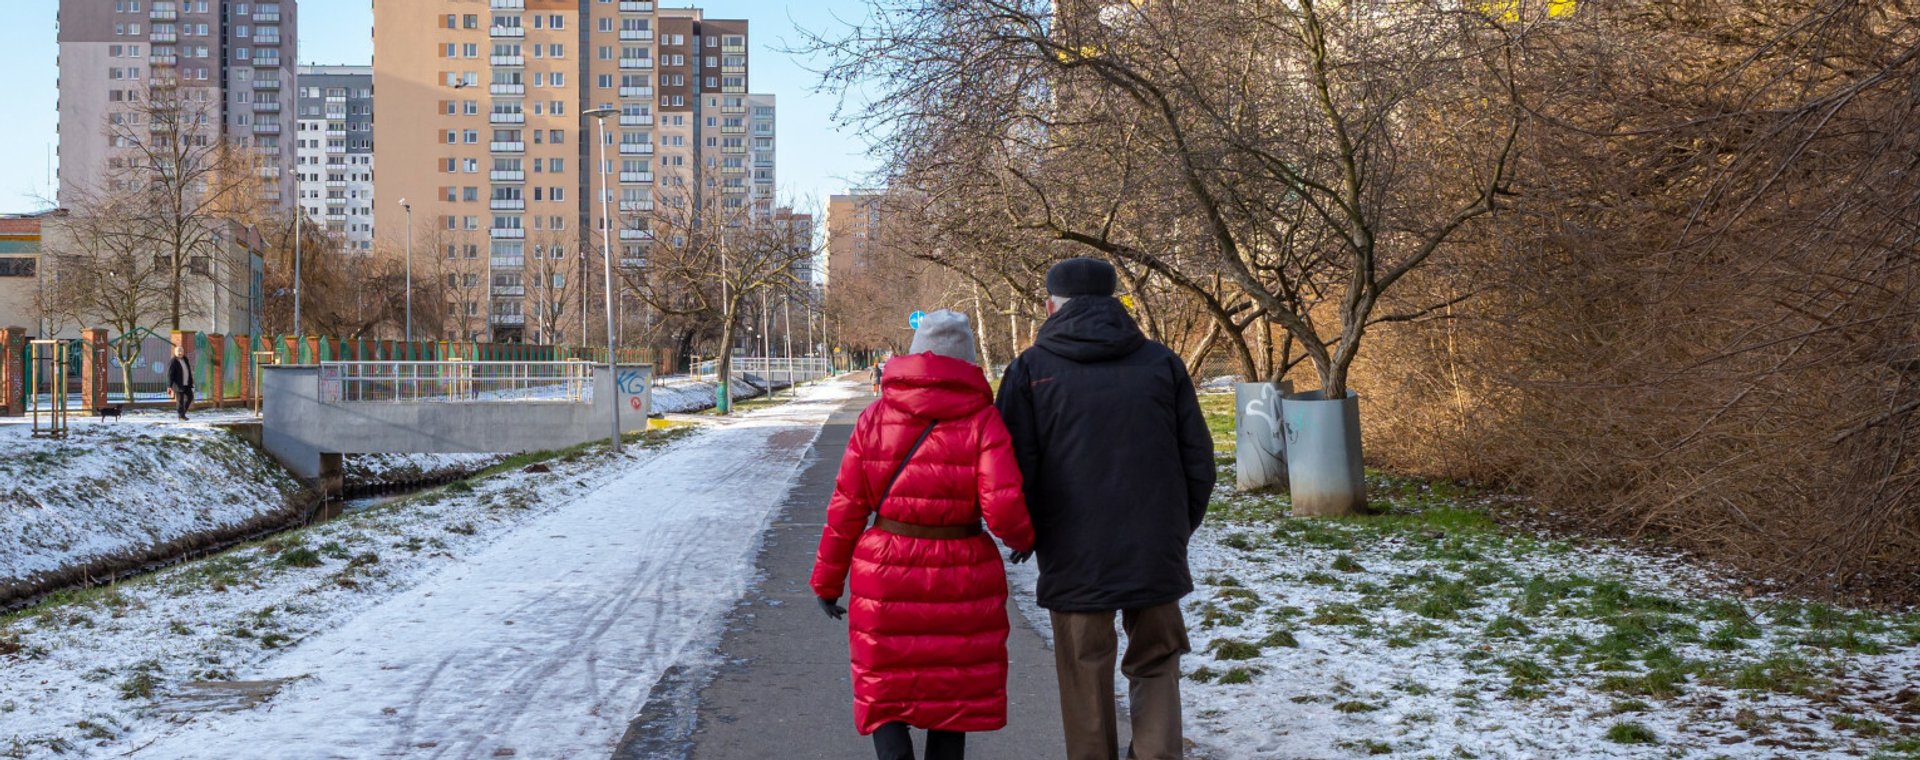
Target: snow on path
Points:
(547, 643)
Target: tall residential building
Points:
(760, 143)
(234, 61)
(334, 152)
(853, 221)
(493, 156)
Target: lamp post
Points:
(299, 217)
(600, 115)
(409, 207)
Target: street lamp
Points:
(600, 115)
(409, 207)
(299, 217)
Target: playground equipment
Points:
(52, 367)
(261, 359)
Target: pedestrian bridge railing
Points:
(569, 381)
(774, 369)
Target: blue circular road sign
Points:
(913, 320)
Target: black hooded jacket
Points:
(1117, 459)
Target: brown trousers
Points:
(1084, 645)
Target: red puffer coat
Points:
(927, 621)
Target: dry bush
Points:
(1701, 324)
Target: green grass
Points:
(1234, 649)
(1631, 733)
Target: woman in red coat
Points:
(927, 625)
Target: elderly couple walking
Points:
(1095, 458)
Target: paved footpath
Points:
(783, 689)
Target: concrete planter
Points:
(1260, 446)
(1323, 454)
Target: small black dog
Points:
(108, 411)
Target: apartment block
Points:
(853, 222)
(233, 62)
(333, 143)
(499, 166)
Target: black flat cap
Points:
(1081, 277)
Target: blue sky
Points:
(816, 158)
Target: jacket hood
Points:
(934, 387)
(1091, 329)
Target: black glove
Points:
(832, 609)
(1019, 557)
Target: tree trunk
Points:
(723, 366)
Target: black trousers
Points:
(182, 400)
(891, 742)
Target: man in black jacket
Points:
(1119, 469)
(180, 381)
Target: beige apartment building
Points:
(479, 108)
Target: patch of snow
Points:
(109, 489)
(532, 614)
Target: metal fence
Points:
(779, 370)
(468, 382)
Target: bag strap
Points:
(903, 465)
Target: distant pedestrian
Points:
(927, 626)
(180, 381)
(1118, 465)
(879, 369)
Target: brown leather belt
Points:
(927, 531)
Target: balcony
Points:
(337, 202)
(733, 129)
(636, 120)
(509, 319)
(336, 134)
(507, 262)
(506, 118)
(636, 149)
(636, 35)
(266, 128)
(729, 68)
(165, 37)
(267, 107)
(507, 32)
(165, 60)
(636, 63)
(507, 147)
(733, 149)
(636, 178)
(734, 189)
(733, 49)
(510, 291)
(631, 6)
(336, 184)
(266, 84)
(507, 89)
(160, 15)
(633, 234)
(731, 108)
(499, 175)
(508, 204)
(274, 40)
(635, 207)
(636, 92)
(507, 233)
(266, 62)
(266, 17)
(508, 60)
(508, 5)
(340, 147)
(733, 170)
(269, 172)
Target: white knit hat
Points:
(945, 333)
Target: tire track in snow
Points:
(546, 643)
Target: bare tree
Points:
(105, 274)
(708, 261)
(169, 152)
(1292, 141)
